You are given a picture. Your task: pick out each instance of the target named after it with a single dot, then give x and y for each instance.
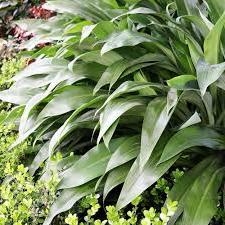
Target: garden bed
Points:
(112, 112)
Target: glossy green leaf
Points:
(190, 137)
(109, 134)
(125, 67)
(187, 7)
(90, 166)
(90, 70)
(18, 96)
(155, 121)
(115, 178)
(74, 28)
(127, 151)
(39, 158)
(140, 10)
(37, 99)
(115, 70)
(198, 21)
(94, 11)
(139, 179)
(201, 204)
(217, 8)
(12, 115)
(67, 199)
(148, 91)
(71, 124)
(42, 66)
(181, 189)
(129, 87)
(213, 41)
(95, 56)
(194, 119)
(183, 82)
(114, 110)
(35, 81)
(124, 38)
(101, 30)
(195, 50)
(208, 74)
(112, 3)
(69, 99)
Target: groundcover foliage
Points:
(128, 90)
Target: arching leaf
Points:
(190, 137)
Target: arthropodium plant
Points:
(143, 80)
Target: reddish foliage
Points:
(20, 34)
(38, 12)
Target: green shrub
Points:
(113, 216)
(23, 201)
(8, 136)
(9, 68)
(8, 131)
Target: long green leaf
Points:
(181, 189)
(114, 110)
(115, 70)
(217, 8)
(155, 121)
(85, 9)
(95, 56)
(194, 119)
(115, 178)
(138, 180)
(34, 101)
(190, 137)
(39, 158)
(70, 98)
(183, 82)
(67, 199)
(42, 66)
(124, 38)
(129, 87)
(90, 166)
(19, 96)
(201, 203)
(187, 7)
(73, 122)
(208, 74)
(213, 41)
(101, 30)
(127, 151)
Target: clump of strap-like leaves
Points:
(127, 90)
